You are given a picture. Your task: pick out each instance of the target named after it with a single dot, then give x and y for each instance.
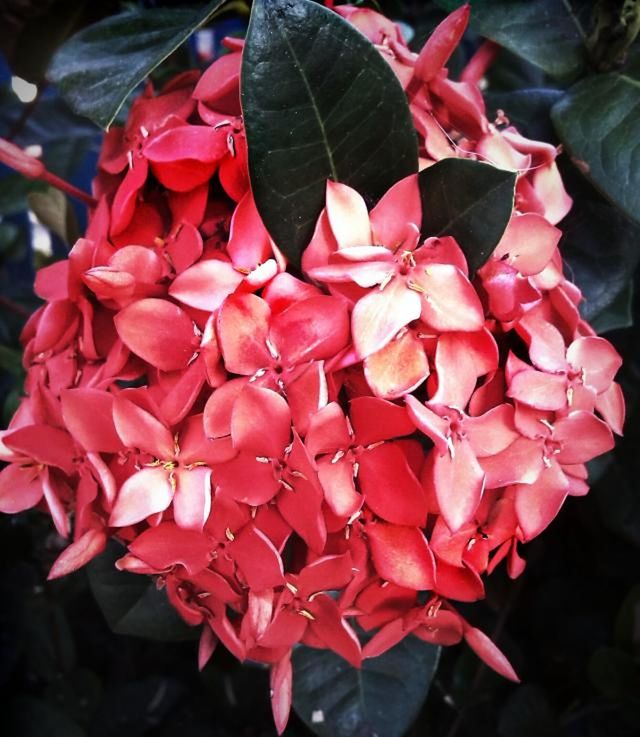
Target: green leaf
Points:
(598, 120)
(98, 67)
(14, 189)
(382, 698)
(319, 102)
(54, 211)
(549, 33)
(467, 200)
(618, 315)
(527, 714)
(615, 674)
(131, 603)
(600, 249)
(26, 716)
(528, 109)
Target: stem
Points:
(68, 188)
(14, 307)
(15, 158)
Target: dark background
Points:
(570, 624)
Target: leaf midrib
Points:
(312, 100)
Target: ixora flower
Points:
(297, 454)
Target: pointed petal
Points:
(402, 555)
(329, 573)
(582, 436)
(330, 627)
(257, 558)
(449, 301)
(520, 462)
(491, 432)
(459, 482)
(538, 504)
(338, 484)
(375, 419)
(348, 216)
(461, 359)
(138, 428)
(459, 583)
(399, 206)
(380, 314)
(206, 285)
(261, 422)
(398, 368)
(428, 422)
(489, 652)
(390, 488)
(246, 480)
(192, 498)
(538, 389)
(281, 680)
(79, 553)
(597, 359)
(243, 329)
(441, 44)
(311, 330)
(158, 331)
(88, 415)
(528, 243)
(47, 445)
(167, 545)
(144, 493)
(610, 404)
(20, 488)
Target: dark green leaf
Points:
(26, 716)
(598, 120)
(131, 604)
(600, 248)
(98, 67)
(527, 714)
(319, 102)
(467, 200)
(549, 33)
(383, 698)
(626, 625)
(14, 189)
(618, 315)
(527, 109)
(54, 211)
(615, 673)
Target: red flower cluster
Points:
(291, 456)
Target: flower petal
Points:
(206, 285)
(144, 493)
(390, 488)
(159, 332)
(402, 555)
(261, 422)
(380, 314)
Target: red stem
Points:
(15, 158)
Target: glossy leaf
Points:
(548, 33)
(319, 103)
(131, 603)
(467, 200)
(98, 67)
(598, 121)
(602, 272)
(383, 698)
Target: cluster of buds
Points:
(292, 456)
